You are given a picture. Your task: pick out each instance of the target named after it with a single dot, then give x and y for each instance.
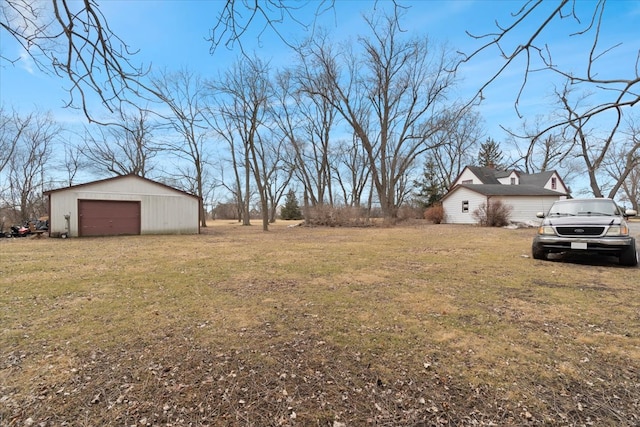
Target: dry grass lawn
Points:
(412, 325)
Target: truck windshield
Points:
(584, 207)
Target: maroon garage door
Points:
(108, 217)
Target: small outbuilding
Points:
(123, 205)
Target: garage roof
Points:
(46, 193)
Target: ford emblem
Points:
(579, 230)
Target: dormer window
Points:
(554, 183)
(513, 181)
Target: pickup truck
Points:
(586, 226)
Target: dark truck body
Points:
(586, 226)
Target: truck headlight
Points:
(618, 230)
(545, 229)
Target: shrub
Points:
(435, 214)
(332, 216)
(409, 211)
(493, 213)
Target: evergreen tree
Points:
(291, 209)
(490, 155)
(430, 189)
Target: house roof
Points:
(506, 190)
(542, 178)
(504, 174)
(119, 177)
(485, 174)
(538, 179)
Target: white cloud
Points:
(26, 62)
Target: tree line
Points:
(372, 124)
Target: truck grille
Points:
(580, 231)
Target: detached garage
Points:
(124, 205)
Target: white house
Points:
(526, 194)
(122, 205)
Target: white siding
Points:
(467, 175)
(453, 206)
(559, 185)
(507, 179)
(163, 210)
(524, 209)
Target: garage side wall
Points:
(525, 208)
(169, 215)
(162, 210)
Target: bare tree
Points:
(453, 148)
(535, 151)
(12, 126)
(582, 19)
(183, 93)
(306, 122)
(124, 148)
(275, 174)
(625, 161)
(238, 17)
(393, 97)
(27, 167)
(239, 186)
(352, 172)
(541, 152)
(72, 39)
(73, 162)
(597, 147)
(244, 95)
(631, 187)
(616, 88)
(454, 145)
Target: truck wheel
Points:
(538, 252)
(629, 256)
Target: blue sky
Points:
(171, 34)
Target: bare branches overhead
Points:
(73, 40)
(536, 19)
(241, 16)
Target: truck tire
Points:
(629, 257)
(538, 252)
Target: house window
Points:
(465, 206)
(467, 181)
(513, 181)
(554, 183)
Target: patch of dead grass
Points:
(431, 324)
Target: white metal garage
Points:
(122, 205)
